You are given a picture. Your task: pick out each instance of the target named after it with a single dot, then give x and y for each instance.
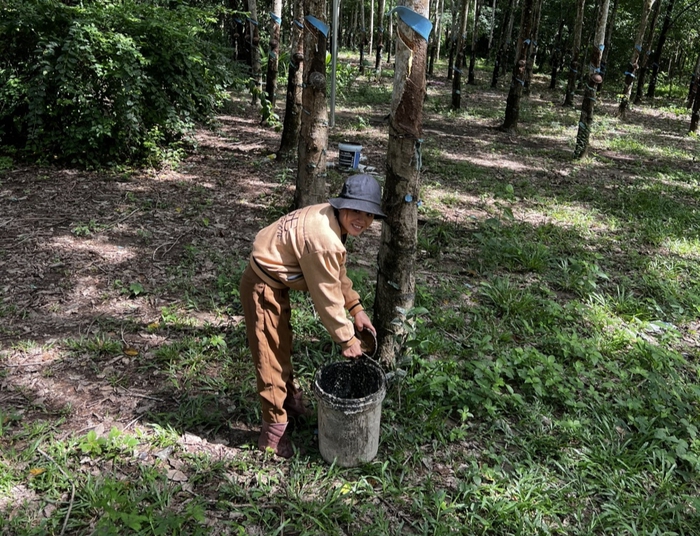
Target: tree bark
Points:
(273, 54)
(380, 38)
(289, 144)
(631, 72)
(313, 138)
(608, 42)
(504, 41)
(395, 289)
(594, 78)
(532, 54)
(651, 90)
(556, 55)
(695, 115)
(647, 52)
(575, 53)
(459, 56)
(693, 87)
(255, 63)
(472, 56)
(515, 93)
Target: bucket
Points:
(350, 395)
(349, 155)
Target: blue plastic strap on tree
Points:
(272, 54)
(275, 18)
(526, 42)
(601, 47)
(299, 23)
(254, 22)
(416, 21)
(638, 48)
(238, 20)
(522, 82)
(456, 70)
(573, 70)
(318, 24)
(627, 73)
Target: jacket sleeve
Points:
(327, 281)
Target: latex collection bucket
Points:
(350, 395)
(349, 155)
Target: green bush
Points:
(107, 81)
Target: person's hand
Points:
(353, 352)
(362, 321)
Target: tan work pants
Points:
(267, 314)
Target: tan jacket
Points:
(304, 251)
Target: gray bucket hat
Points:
(360, 192)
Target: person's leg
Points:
(267, 314)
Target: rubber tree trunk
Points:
(255, 63)
(459, 56)
(651, 90)
(434, 45)
(695, 115)
(454, 34)
(556, 55)
(363, 37)
(380, 38)
(273, 53)
(631, 72)
(510, 123)
(594, 78)
(289, 144)
(439, 17)
(504, 41)
(313, 136)
(608, 42)
(575, 54)
(472, 57)
(647, 52)
(693, 87)
(492, 26)
(371, 28)
(395, 289)
(532, 56)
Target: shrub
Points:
(107, 81)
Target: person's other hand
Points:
(353, 352)
(362, 321)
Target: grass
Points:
(547, 382)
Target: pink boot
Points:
(272, 436)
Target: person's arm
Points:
(322, 272)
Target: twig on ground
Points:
(398, 512)
(72, 495)
(171, 244)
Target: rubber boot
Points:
(294, 405)
(272, 436)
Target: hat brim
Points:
(358, 204)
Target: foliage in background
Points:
(106, 82)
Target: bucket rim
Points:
(359, 403)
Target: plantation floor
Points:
(101, 271)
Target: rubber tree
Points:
(534, 46)
(380, 37)
(665, 27)
(612, 15)
(434, 44)
(631, 72)
(575, 53)
(504, 41)
(273, 53)
(313, 136)
(556, 55)
(289, 144)
(255, 61)
(647, 52)
(693, 87)
(515, 93)
(459, 56)
(475, 30)
(695, 114)
(395, 290)
(594, 79)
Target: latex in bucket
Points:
(349, 155)
(350, 395)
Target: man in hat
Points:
(303, 250)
